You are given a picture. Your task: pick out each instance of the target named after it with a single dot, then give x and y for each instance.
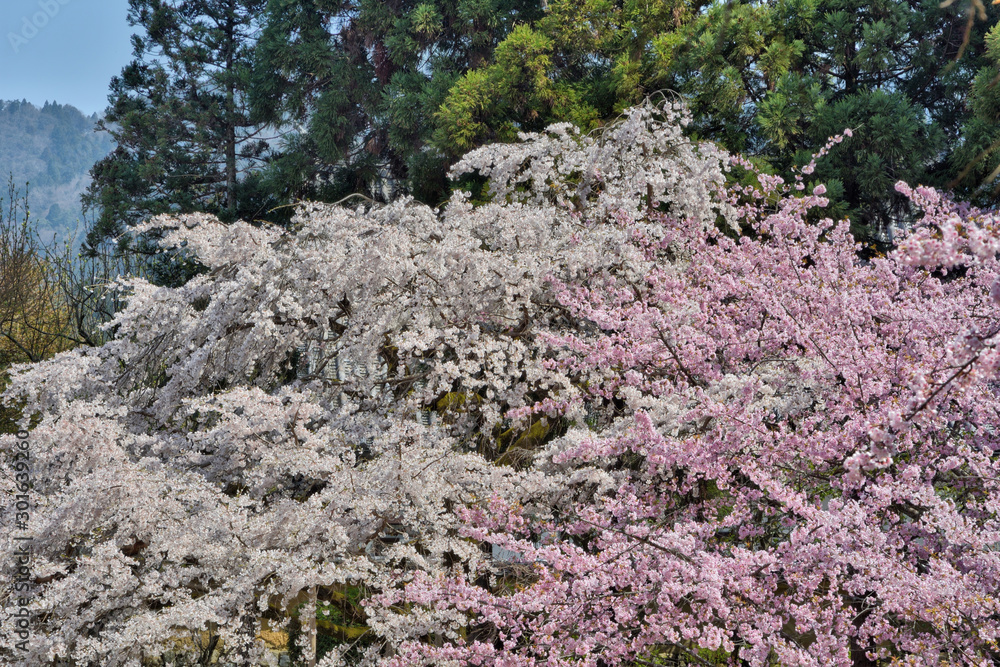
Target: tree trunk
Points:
(231, 110)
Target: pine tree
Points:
(178, 116)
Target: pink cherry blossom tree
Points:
(799, 467)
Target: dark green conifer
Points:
(184, 141)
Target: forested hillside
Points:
(51, 148)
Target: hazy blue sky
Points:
(62, 50)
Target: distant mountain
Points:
(52, 148)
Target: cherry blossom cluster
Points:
(263, 429)
(622, 409)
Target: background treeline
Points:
(243, 107)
